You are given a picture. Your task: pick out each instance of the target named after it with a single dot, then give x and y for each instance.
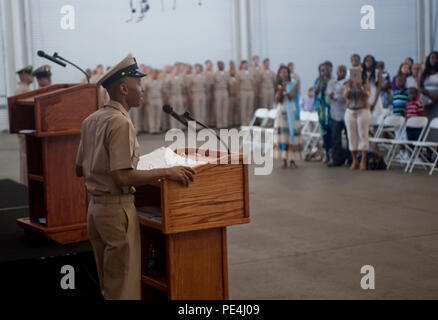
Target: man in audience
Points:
(307, 101)
(335, 90)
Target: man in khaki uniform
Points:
(44, 76)
(165, 76)
(256, 73)
(197, 89)
(234, 114)
(267, 85)
(209, 81)
(221, 83)
(154, 96)
(107, 157)
(188, 71)
(26, 80)
(175, 89)
(245, 84)
(23, 86)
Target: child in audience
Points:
(414, 108)
(400, 96)
(307, 101)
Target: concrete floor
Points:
(313, 228)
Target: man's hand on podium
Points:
(184, 175)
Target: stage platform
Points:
(30, 265)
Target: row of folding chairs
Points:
(391, 135)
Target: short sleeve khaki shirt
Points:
(108, 143)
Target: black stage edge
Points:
(30, 265)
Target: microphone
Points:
(169, 110)
(42, 54)
(188, 116)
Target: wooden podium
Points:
(183, 230)
(51, 120)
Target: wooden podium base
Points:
(62, 235)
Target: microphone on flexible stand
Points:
(57, 56)
(169, 110)
(42, 54)
(189, 117)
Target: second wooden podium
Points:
(183, 230)
(51, 120)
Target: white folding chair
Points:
(422, 147)
(258, 126)
(396, 153)
(259, 117)
(305, 121)
(378, 122)
(312, 136)
(393, 126)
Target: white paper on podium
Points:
(165, 158)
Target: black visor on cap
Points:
(131, 71)
(43, 74)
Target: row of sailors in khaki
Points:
(221, 99)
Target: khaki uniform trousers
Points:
(154, 114)
(200, 107)
(268, 98)
(234, 111)
(222, 105)
(114, 233)
(246, 106)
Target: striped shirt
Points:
(399, 101)
(414, 109)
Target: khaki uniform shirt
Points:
(21, 88)
(268, 79)
(153, 89)
(209, 79)
(245, 80)
(197, 83)
(108, 143)
(221, 80)
(176, 86)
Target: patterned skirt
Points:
(284, 147)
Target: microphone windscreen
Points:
(40, 53)
(167, 109)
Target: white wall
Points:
(191, 33)
(303, 31)
(308, 32)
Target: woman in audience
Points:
(357, 121)
(429, 88)
(402, 70)
(385, 88)
(373, 77)
(412, 80)
(287, 130)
